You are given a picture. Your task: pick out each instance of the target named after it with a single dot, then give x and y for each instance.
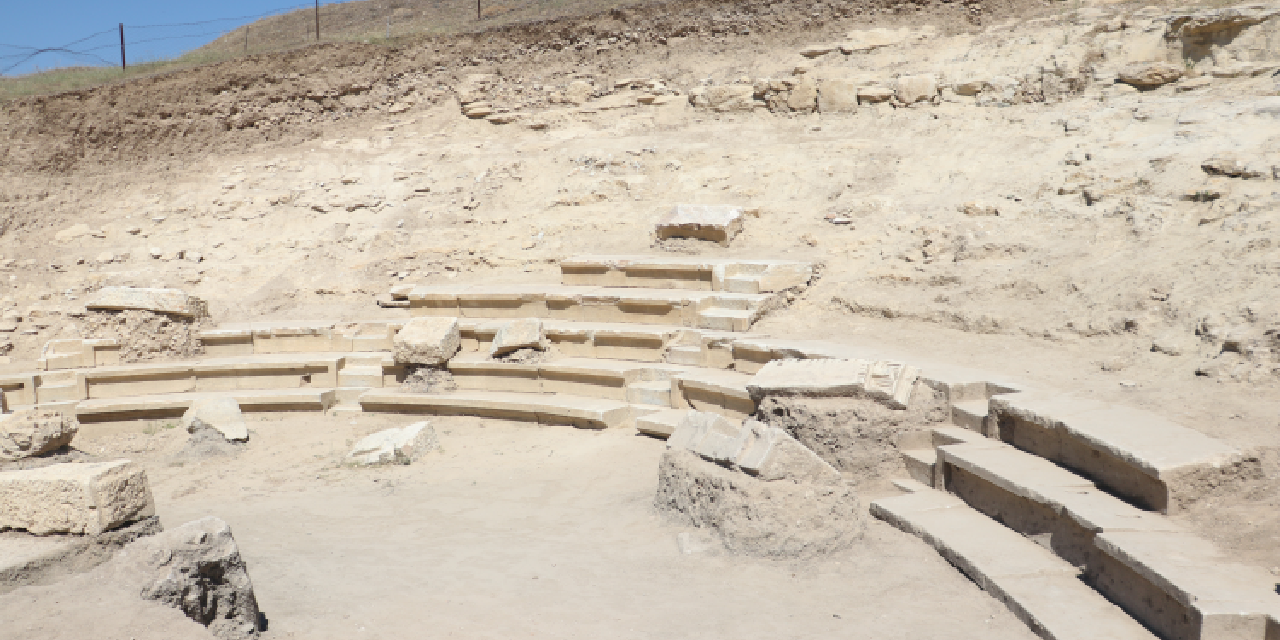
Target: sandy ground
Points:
(513, 530)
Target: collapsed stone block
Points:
(35, 431)
(395, 446)
(74, 498)
(220, 414)
(751, 515)
(171, 301)
(525, 333)
(714, 223)
(724, 98)
(752, 447)
(427, 340)
(831, 377)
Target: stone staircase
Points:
(1053, 481)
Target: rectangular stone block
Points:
(715, 223)
(174, 301)
(74, 498)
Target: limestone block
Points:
(35, 431)
(913, 89)
(1149, 75)
(724, 98)
(429, 340)
(837, 96)
(579, 91)
(398, 446)
(74, 498)
(220, 414)
(873, 95)
(771, 455)
(525, 333)
(970, 86)
(174, 301)
(803, 97)
(715, 223)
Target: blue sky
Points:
(54, 23)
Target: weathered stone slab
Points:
(525, 333)
(173, 301)
(429, 340)
(837, 96)
(395, 446)
(714, 223)
(220, 414)
(74, 498)
(35, 431)
(1149, 75)
(831, 377)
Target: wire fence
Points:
(279, 28)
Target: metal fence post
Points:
(317, 20)
(123, 66)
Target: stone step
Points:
(1041, 589)
(680, 272)
(723, 392)
(1167, 578)
(360, 376)
(656, 393)
(727, 319)
(970, 414)
(561, 409)
(250, 338)
(579, 303)
(1134, 454)
(661, 424)
(173, 405)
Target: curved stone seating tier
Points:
(657, 385)
(173, 405)
(700, 309)
(680, 272)
(543, 408)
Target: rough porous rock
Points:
(525, 333)
(74, 498)
(35, 431)
(220, 414)
(724, 98)
(195, 568)
(857, 435)
(395, 446)
(427, 340)
(145, 335)
(781, 518)
(1148, 75)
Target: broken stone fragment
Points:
(35, 431)
(195, 568)
(428, 341)
(395, 446)
(220, 414)
(1149, 75)
(913, 89)
(525, 333)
